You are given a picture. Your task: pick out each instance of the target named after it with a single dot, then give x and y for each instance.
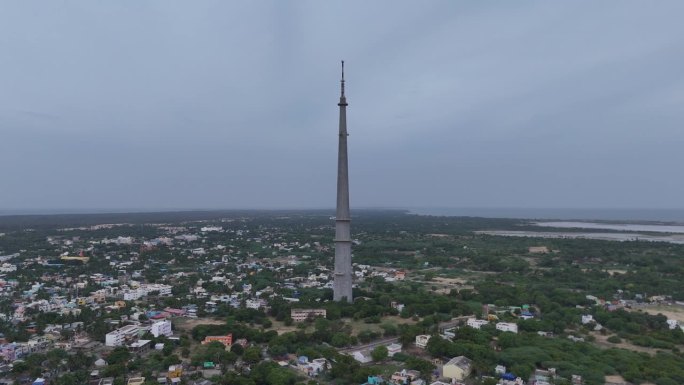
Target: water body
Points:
(614, 226)
(622, 237)
(658, 215)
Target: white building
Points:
(132, 294)
(393, 349)
(476, 323)
(507, 327)
(162, 328)
(119, 336)
(7, 268)
(422, 340)
(255, 304)
(587, 318)
(299, 315)
(672, 323)
(208, 229)
(363, 357)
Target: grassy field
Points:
(669, 311)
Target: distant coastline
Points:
(675, 216)
(626, 215)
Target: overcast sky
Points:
(217, 104)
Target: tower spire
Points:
(342, 282)
(342, 81)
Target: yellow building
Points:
(136, 381)
(175, 371)
(458, 368)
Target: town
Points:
(246, 298)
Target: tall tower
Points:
(342, 285)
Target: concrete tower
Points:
(342, 285)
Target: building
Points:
(507, 327)
(255, 304)
(162, 328)
(122, 335)
(175, 371)
(458, 368)
(393, 349)
(422, 340)
(299, 315)
(362, 356)
(476, 323)
(140, 347)
(538, 250)
(226, 340)
(587, 318)
(342, 281)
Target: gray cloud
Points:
(170, 104)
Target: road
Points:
(371, 345)
(386, 341)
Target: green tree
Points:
(252, 355)
(379, 353)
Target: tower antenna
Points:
(342, 281)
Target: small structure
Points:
(422, 340)
(99, 363)
(507, 327)
(374, 380)
(458, 368)
(362, 356)
(393, 349)
(476, 323)
(227, 340)
(175, 371)
(538, 250)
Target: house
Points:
(458, 368)
(587, 318)
(175, 371)
(507, 327)
(362, 356)
(538, 250)
(476, 323)
(374, 380)
(422, 340)
(393, 349)
(405, 377)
